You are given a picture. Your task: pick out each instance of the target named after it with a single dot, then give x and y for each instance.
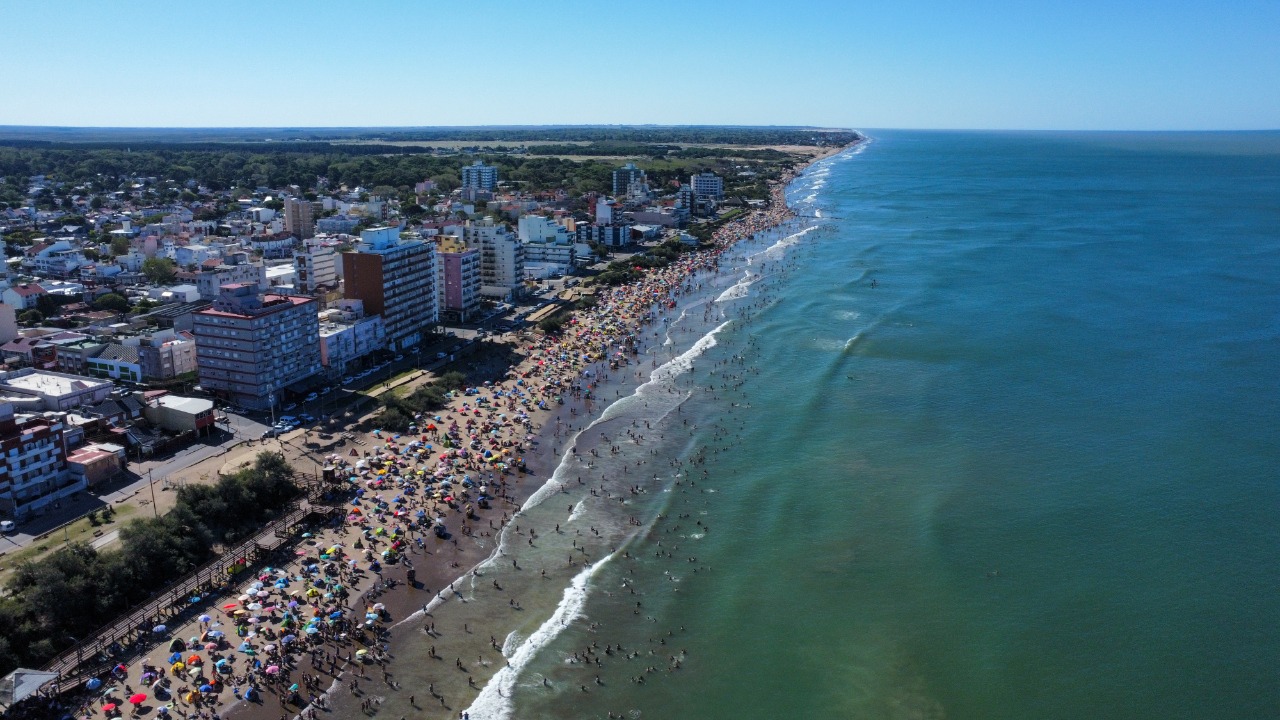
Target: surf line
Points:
(494, 700)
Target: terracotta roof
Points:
(27, 290)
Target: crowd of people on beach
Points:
(286, 637)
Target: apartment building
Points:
(480, 176)
(459, 281)
(395, 279)
(315, 267)
(707, 185)
(299, 218)
(624, 176)
(33, 464)
(251, 347)
(501, 258)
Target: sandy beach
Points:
(320, 631)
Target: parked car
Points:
(348, 380)
(311, 396)
(399, 358)
(306, 417)
(291, 406)
(441, 356)
(326, 389)
(7, 526)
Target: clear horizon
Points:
(921, 64)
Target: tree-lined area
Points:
(77, 589)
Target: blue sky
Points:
(1069, 64)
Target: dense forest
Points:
(673, 134)
(220, 168)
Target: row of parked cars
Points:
(288, 423)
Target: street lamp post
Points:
(152, 483)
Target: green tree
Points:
(48, 305)
(114, 302)
(159, 270)
(31, 318)
(120, 246)
(551, 325)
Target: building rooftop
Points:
(191, 406)
(48, 383)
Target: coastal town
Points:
(372, 369)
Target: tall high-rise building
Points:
(396, 279)
(298, 218)
(459, 278)
(480, 176)
(250, 347)
(707, 185)
(624, 176)
(501, 258)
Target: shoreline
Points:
(329, 665)
(413, 608)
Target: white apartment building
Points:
(480, 176)
(315, 267)
(708, 185)
(501, 258)
(346, 338)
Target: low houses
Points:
(181, 414)
(91, 465)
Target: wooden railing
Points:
(85, 659)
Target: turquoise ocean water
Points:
(991, 431)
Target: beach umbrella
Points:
(205, 618)
(93, 684)
(273, 669)
(137, 699)
(176, 657)
(159, 629)
(206, 688)
(109, 707)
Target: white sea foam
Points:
(663, 373)
(738, 290)
(577, 510)
(683, 362)
(494, 700)
(786, 242)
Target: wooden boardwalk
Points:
(92, 656)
